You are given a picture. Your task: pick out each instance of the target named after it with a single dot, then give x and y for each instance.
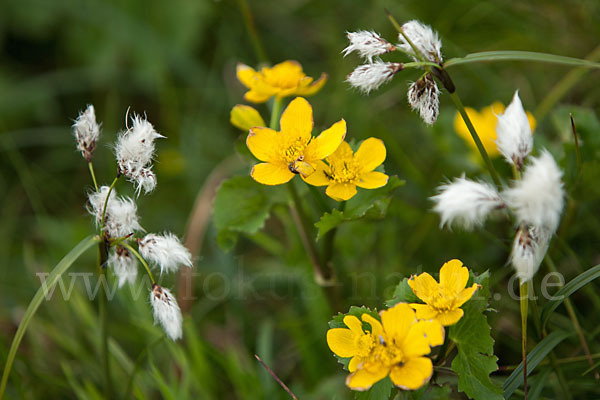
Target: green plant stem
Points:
(275, 112)
(328, 243)
(524, 292)
(463, 113)
(38, 298)
(112, 185)
(571, 311)
(252, 32)
(91, 168)
(103, 317)
(139, 257)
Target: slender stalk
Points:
(112, 185)
(328, 242)
(275, 112)
(91, 168)
(463, 113)
(279, 381)
(252, 32)
(577, 152)
(103, 317)
(524, 292)
(139, 257)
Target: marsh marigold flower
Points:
(485, 122)
(396, 346)
(282, 80)
(443, 300)
(345, 170)
(292, 150)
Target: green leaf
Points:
(379, 391)
(338, 322)
(475, 359)
(515, 55)
(38, 298)
(370, 204)
(242, 206)
(427, 392)
(402, 294)
(574, 285)
(534, 357)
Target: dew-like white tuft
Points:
(134, 152)
(166, 311)
(121, 217)
(165, 250)
(368, 77)
(465, 202)
(529, 249)
(124, 266)
(367, 45)
(514, 138)
(423, 38)
(423, 96)
(538, 198)
(87, 132)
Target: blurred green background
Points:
(175, 61)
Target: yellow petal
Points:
(297, 121)
(376, 327)
(341, 191)
(413, 374)
(343, 152)
(364, 378)
(454, 276)
(262, 143)
(372, 180)
(415, 344)
(465, 295)
(327, 142)
(433, 331)
(341, 342)
(318, 178)
(314, 88)
(354, 363)
(245, 117)
(354, 324)
(370, 154)
(246, 75)
(424, 311)
(257, 97)
(451, 317)
(271, 174)
(532, 121)
(397, 321)
(424, 286)
(286, 68)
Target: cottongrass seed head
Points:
(465, 202)
(529, 248)
(121, 217)
(367, 45)
(514, 138)
(166, 311)
(124, 265)
(165, 250)
(87, 132)
(134, 152)
(368, 77)
(423, 96)
(538, 198)
(423, 38)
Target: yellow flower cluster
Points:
(324, 160)
(397, 344)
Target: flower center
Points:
(365, 344)
(388, 353)
(293, 151)
(345, 171)
(443, 300)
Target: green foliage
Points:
(427, 392)
(403, 294)
(475, 359)
(379, 391)
(368, 204)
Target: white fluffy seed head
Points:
(134, 152)
(87, 132)
(166, 312)
(124, 265)
(121, 217)
(538, 198)
(514, 138)
(368, 77)
(423, 38)
(465, 202)
(529, 249)
(166, 251)
(424, 96)
(367, 45)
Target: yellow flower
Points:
(245, 117)
(484, 123)
(443, 300)
(283, 80)
(293, 150)
(394, 347)
(346, 170)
